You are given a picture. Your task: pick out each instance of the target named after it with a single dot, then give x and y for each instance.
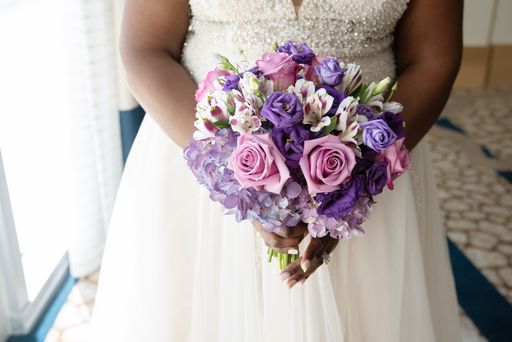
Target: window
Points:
(60, 158)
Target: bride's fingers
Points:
(314, 248)
(301, 277)
(298, 231)
(292, 270)
(280, 244)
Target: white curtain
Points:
(94, 123)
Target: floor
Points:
(470, 146)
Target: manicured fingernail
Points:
(284, 276)
(293, 251)
(291, 283)
(305, 265)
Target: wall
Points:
(487, 44)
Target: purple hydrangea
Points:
(208, 162)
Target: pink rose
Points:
(326, 163)
(206, 85)
(398, 159)
(309, 70)
(257, 162)
(278, 67)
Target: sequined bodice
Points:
(360, 31)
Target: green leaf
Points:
(358, 91)
(225, 63)
(221, 124)
(330, 128)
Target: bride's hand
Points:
(283, 240)
(302, 268)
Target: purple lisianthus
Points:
(290, 142)
(255, 70)
(300, 53)
(337, 95)
(231, 83)
(395, 122)
(283, 109)
(330, 72)
(367, 159)
(376, 177)
(365, 110)
(377, 135)
(338, 204)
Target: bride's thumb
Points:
(310, 252)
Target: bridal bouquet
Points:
(298, 137)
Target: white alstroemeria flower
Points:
(347, 120)
(302, 89)
(393, 107)
(213, 107)
(315, 107)
(255, 90)
(244, 120)
(205, 129)
(352, 78)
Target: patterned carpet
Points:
(472, 158)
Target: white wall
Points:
(478, 17)
(487, 22)
(502, 32)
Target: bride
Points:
(175, 269)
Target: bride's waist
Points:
(336, 37)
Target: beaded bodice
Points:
(359, 31)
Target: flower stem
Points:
(284, 259)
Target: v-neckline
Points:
(297, 4)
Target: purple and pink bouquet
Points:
(297, 138)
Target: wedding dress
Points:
(175, 269)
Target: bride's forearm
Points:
(164, 89)
(423, 89)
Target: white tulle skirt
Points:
(175, 269)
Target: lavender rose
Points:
(330, 72)
(300, 53)
(290, 142)
(338, 204)
(377, 135)
(257, 163)
(326, 164)
(376, 177)
(282, 109)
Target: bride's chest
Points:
(358, 11)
